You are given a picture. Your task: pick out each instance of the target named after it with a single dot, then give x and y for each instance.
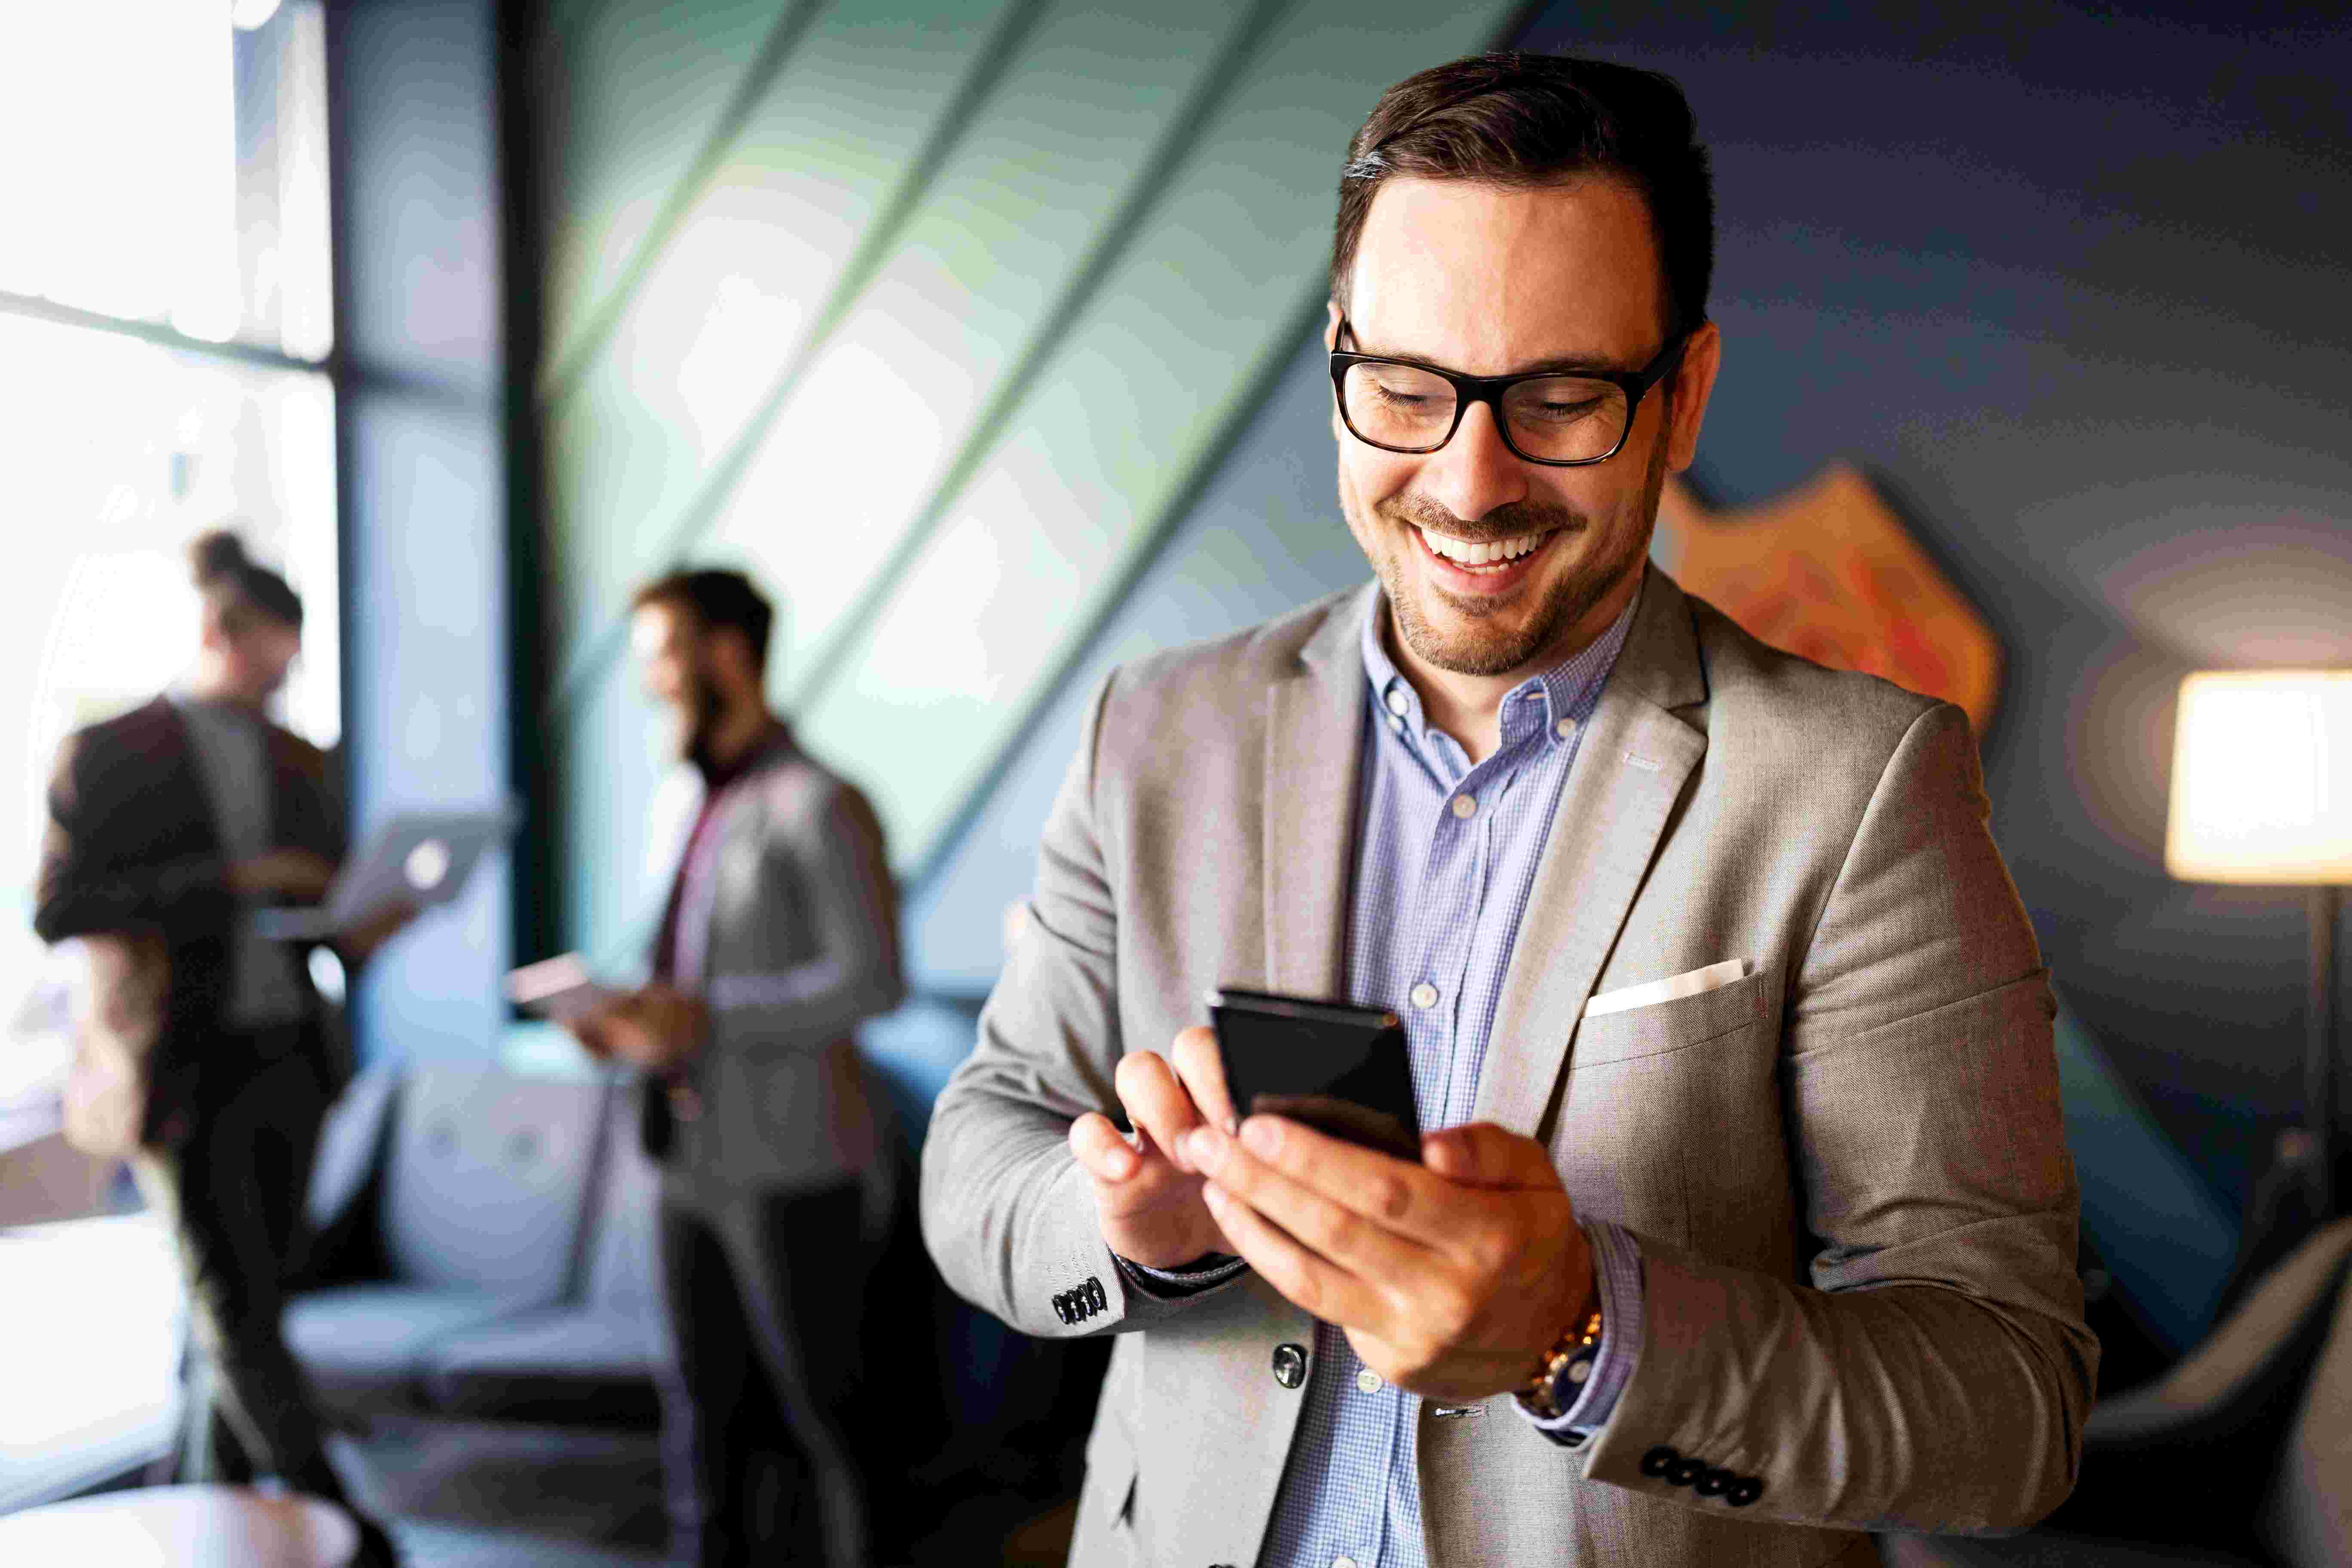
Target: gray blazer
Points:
(796, 931)
(1846, 1171)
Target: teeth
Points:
(1464, 554)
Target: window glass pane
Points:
(181, 173)
(113, 454)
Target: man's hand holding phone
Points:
(1148, 1192)
(1452, 1276)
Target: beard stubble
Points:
(1493, 651)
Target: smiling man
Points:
(1744, 1224)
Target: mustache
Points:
(1512, 520)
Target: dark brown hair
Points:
(217, 560)
(719, 601)
(1519, 121)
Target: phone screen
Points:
(1339, 1069)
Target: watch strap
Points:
(1564, 1370)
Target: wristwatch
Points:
(1552, 1391)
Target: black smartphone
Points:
(1337, 1067)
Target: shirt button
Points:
(1343, 1562)
(1424, 994)
(1396, 723)
(1463, 806)
(1565, 728)
(1396, 703)
(1368, 1382)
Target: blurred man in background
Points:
(779, 935)
(169, 826)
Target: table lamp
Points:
(2262, 794)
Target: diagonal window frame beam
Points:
(991, 64)
(1105, 248)
(563, 378)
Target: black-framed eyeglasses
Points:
(1563, 419)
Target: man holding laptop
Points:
(176, 831)
(1742, 1221)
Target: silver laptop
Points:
(420, 857)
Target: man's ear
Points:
(1692, 385)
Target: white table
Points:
(183, 1527)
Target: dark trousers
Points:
(765, 1295)
(233, 1191)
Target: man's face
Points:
(674, 661)
(254, 650)
(1492, 282)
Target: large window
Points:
(165, 368)
(164, 333)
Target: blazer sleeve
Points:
(85, 887)
(835, 845)
(1008, 1212)
(1936, 1374)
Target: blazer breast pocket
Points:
(1664, 1026)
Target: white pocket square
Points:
(1668, 990)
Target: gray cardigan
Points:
(794, 925)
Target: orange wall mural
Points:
(1829, 571)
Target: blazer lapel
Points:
(1314, 757)
(1629, 770)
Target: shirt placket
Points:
(1449, 896)
(1387, 1512)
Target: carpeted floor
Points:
(429, 1546)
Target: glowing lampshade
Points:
(2261, 778)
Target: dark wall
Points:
(2070, 285)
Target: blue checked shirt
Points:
(1446, 859)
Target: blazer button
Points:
(1682, 1472)
(1289, 1365)
(1715, 1483)
(1096, 1298)
(1656, 1461)
(1743, 1492)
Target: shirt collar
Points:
(185, 701)
(1564, 695)
(775, 746)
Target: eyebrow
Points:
(1561, 365)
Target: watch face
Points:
(1568, 1380)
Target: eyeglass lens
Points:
(1553, 418)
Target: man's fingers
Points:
(1485, 1155)
(1394, 1193)
(1364, 1246)
(1096, 1144)
(1202, 1070)
(1156, 1102)
(1322, 1288)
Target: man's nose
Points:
(1474, 473)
